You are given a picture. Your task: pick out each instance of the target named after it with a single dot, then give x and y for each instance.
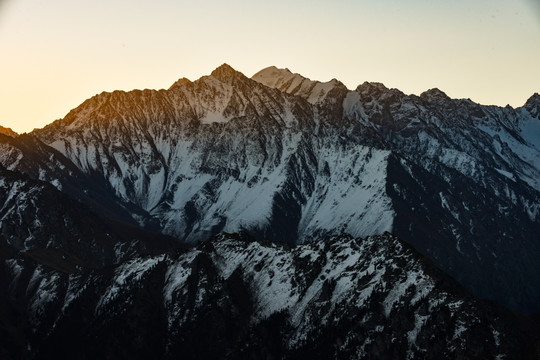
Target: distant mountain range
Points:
(130, 180)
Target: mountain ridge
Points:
(8, 132)
(458, 180)
(340, 297)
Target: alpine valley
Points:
(272, 217)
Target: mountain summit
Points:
(225, 73)
(533, 105)
(284, 80)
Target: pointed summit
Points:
(225, 73)
(533, 105)
(534, 100)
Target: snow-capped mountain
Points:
(233, 297)
(222, 153)
(295, 84)
(293, 160)
(463, 180)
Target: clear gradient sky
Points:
(56, 53)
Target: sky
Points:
(54, 54)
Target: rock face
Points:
(234, 297)
(293, 160)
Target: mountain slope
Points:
(29, 155)
(8, 132)
(295, 84)
(238, 298)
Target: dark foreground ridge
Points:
(237, 298)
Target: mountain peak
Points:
(181, 82)
(533, 105)
(434, 95)
(8, 132)
(296, 84)
(371, 86)
(372, 89)
(272, 71)
(224, 73)
(533, 100)
(272, 75)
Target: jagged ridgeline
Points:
(294, 160)
(288, 160)
(234, 297)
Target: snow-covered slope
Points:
(284, 80)
(238, 298)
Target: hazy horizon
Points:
(61, 52)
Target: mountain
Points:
(463, 182)
(235, 297)
(184, 156)
(8, 132)
(128, 228)
(293, 160)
